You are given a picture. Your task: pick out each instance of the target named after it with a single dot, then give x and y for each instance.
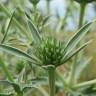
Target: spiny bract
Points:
(50, 51)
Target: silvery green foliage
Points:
(14, 88)
(51, 51)
(47, 51)
(41, 22)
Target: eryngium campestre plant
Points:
(87, 1)
(49, 51)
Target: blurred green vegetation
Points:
(19, 36)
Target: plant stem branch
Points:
(82, 13)
(51, 76)
(48, 6)
(87, 83)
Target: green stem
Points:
(87, 83)
(51, 76)
(82, 13)
(67, 12)
(81, 19)
(71, 82)
(35, 13)
(63, 21)
(48, 6)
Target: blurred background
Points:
(57, 10)
(59, 18)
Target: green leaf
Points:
(46, 20)
(38, 88)
(80, 67)
(6, 94)
(77, 37)
(19, 53)
(34, 31)
(28, 87)
(28, 16)
(21, 75)
(39, 81)
(33, 83)
(7, 28)
(69, 56)
(16, 88)
(14, 85)
(5, 82)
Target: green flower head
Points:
(50, 51)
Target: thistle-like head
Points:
(50, 51)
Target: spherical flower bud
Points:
(50, 51)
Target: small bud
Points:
(34, 2)
(87, 1)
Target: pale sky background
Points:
(60, 5)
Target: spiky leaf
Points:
(17, 52)
(8, 28)
(69, 56)
(77, 38)
(34, 31)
